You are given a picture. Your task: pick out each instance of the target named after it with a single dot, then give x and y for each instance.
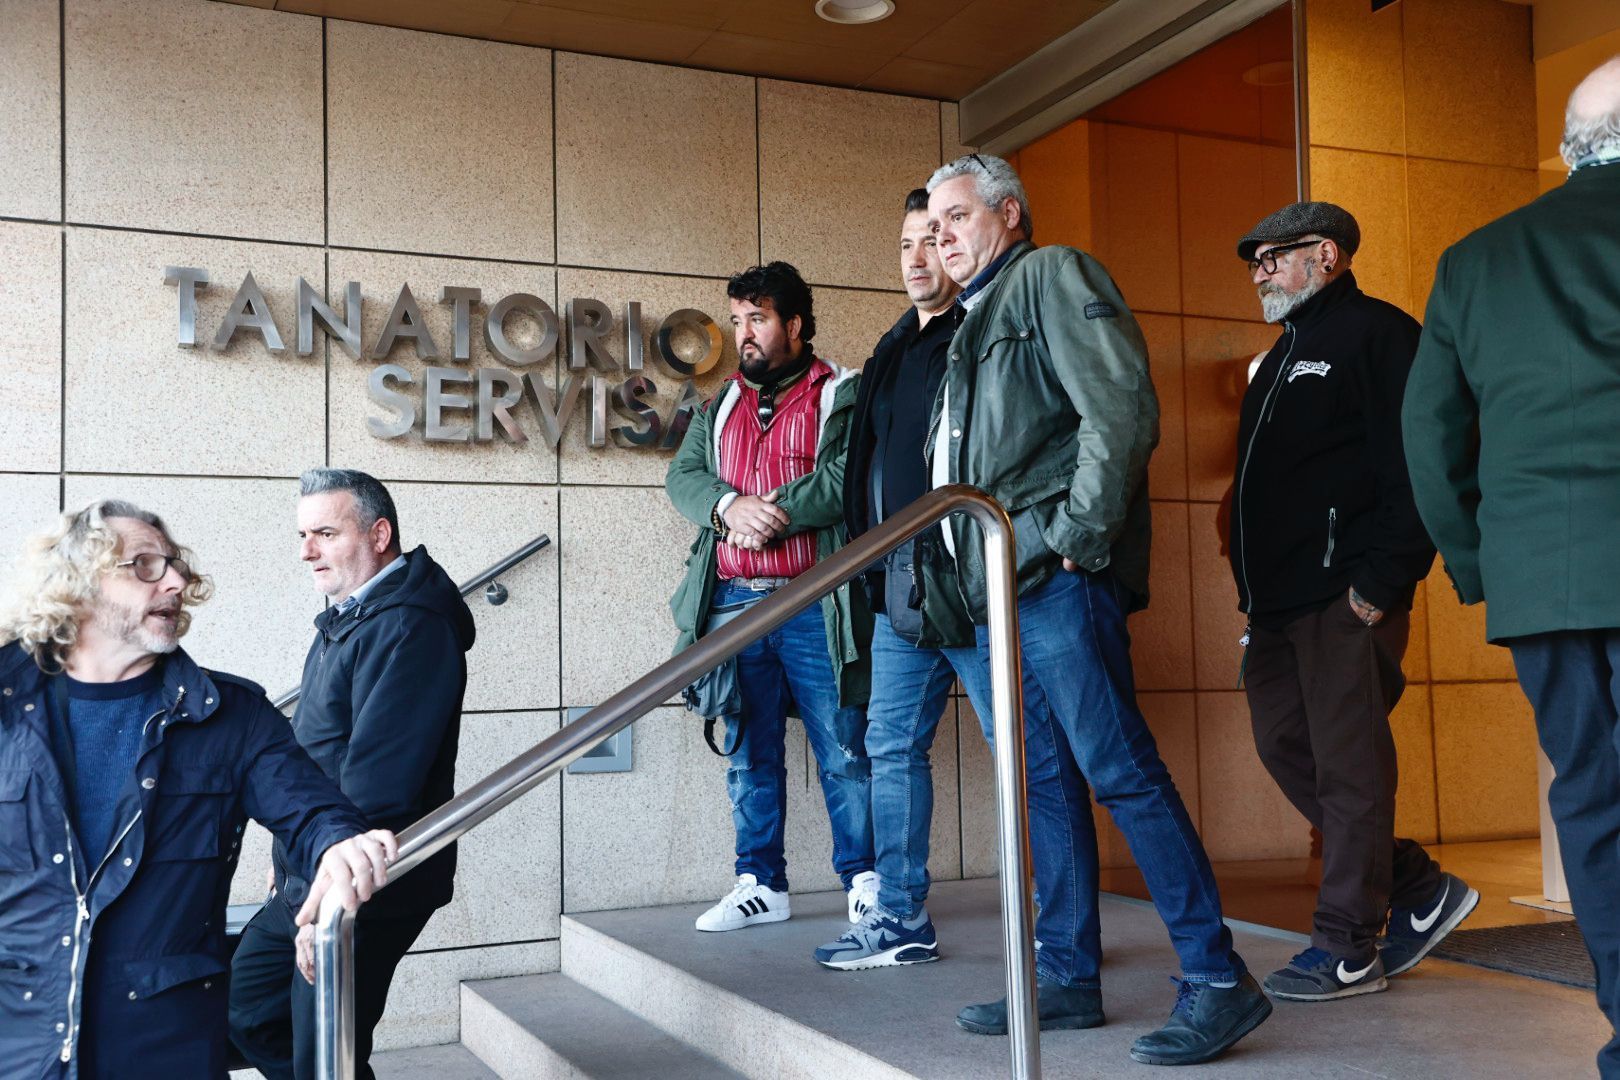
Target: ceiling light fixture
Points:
(854, 12)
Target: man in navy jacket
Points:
(127, 774)
(380, 712)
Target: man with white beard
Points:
(1327, 549)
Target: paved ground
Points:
(1439, 1021)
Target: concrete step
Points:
(756, 1001)
(549, 1027)
(449, 1062)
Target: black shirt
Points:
(902, 403)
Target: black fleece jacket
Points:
(380, 713)
(1322, 501)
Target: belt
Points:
(759, 584)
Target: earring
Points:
(1328, 268)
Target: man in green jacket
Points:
(761, 474)
(1048, 407)
(1512, 430)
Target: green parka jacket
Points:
(1047, 406)
(1511, 410)
(814, 501)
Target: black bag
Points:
(715, 695)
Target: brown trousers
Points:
(1320, 693)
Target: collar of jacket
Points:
(386, 594)
(987, 277)
(187, 689)
(1598, 172)
(1333, 294)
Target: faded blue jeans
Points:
(793, 667)
(910, 687)
(1081, 723)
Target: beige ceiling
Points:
(931, 48)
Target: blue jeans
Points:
(793, 667)
(909, 689)
(1082, 724)
(1572, 678)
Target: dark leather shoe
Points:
(1205, 1023)
(1061, 1008)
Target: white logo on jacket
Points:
(1308, 367)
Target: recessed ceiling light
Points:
(854, 12)
(1275, 73)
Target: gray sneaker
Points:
(882, 939)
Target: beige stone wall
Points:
(136, 134)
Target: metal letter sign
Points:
(476, 404)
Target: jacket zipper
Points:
(1333, 522)
(82, 904)
(1237, 498)
(80, 914)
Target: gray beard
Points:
(128, 625)
(1276, 305)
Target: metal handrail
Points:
(467, 588)
(334, 934)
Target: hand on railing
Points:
(351, 870)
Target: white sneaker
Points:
(747, 904)
(863, 894)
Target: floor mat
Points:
(1553, 951)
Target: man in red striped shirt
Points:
(761, 472)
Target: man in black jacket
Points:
(884, 471)
(380, 712)
(1327, 549)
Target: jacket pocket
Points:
(16, 841)
(186, 818)
(1333, 529)
(148, 978)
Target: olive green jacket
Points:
(1047, 406)
(814, 501)
(1512, 412)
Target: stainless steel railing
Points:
(468, 587)
(334, 935)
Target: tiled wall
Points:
(1423, 124)
(136, 134)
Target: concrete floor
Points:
(1441, 1020)
(1282, 892)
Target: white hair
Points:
(1592, 118)
(994, 180)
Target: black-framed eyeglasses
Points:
(1268, 259)
(150, 567)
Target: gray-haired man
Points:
(1047, 406)
(380, 712)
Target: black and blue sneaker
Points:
(1413, 932)
(1318, 975)
(882, 939)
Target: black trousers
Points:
(272, 1008)
(1572, 678)
(1320, 693)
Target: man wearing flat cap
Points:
(1327, 549)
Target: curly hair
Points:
(780, 283)
(59, 578)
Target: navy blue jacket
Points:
(117, 970)
(380, 712)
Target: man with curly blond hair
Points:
(127, 774)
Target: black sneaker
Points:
(1318, 975)
(1205, 1023)
(1413, 932)
(1061, 1008)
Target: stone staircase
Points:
(642, 995)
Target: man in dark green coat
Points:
(761, 474)
(1512, 429)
